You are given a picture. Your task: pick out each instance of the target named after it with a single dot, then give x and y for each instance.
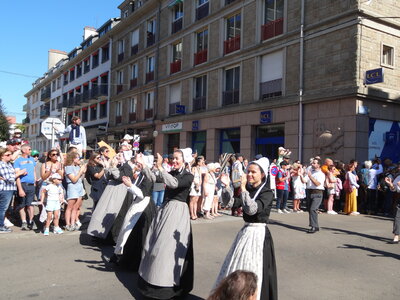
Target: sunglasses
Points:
(54, 154)
(98, 157)
(7, 154)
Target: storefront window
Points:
(199, 142)
(269, 138)
(230, 140)
(173, 142)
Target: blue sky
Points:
(30, 28)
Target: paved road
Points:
(350, 258)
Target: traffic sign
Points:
(49, 124)
(135, 146)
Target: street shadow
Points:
(382, 218)
(376, 253)
(364, 235)
(274, 222)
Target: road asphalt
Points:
(350, 258)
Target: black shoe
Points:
(114, 259)
(313, 230)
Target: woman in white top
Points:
(209, 184)
(195, 189)
(350, 206)
(299, 186)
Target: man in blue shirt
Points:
(26, 186)
(77, 135)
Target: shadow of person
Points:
(377, 253)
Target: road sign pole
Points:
(52, 134)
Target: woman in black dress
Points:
(166, 269)
(253, 248)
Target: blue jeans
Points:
(5, 199)
(281, 198)
(158, 197)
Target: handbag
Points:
(347, 186)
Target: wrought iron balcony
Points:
(199, 103)
(44, 111)
(230, 97)
(45, 94)
(271, 89)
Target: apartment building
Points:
(250, 76)
(76, 84)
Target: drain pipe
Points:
(301, 81)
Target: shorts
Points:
(29, 189)
(53, 205)
(75, 190)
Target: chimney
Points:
(88, 31)
(54, 57)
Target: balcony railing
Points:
(151, 39)
(148, 113)
(272, 29)
(26, 107)
(199, 103)
(132, 117)
(65, 103)
(45, 94)
(133, 83)
(78, 72)
(44, 111)
(271, 89)
(149, 76)
(202, 11)
(119, 88)
(177, 25)
(230, 97)
(95, 62)
(121, 57)
(78, 99)
(134, 49)
(232, 44)
(60, 106)
(200, 57)
(176, 66)
(71, 102)
(118, 119)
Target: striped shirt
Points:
(7, 173)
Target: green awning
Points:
(174, 2)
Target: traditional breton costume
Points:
(166, 269)
(253, 248)
(110, 202)
(136, 223)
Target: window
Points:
(151, 32)
(135, 42)
(85, 114)
(86, 65)
(148, 105)
(199, 141)
(103, 109)
(105, 51)
(71, 74)
(271, 75)
(387, 56)
(200, 93)
(78, 70)
(58, 82)
(273, 19)
(95, 59)
(120, 50)
(202, 9)
(120, 81)
(230, 140)
(53, 86)
(176, 57)
(177, 17)
(65, 78)
(118, 112)
(201, 47)
(232, 41)
(174, 98)
(53, 104)
(134, 75)
(149, 68)
(232, 85)
(132, 109)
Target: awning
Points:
(87, 58)
(86, 84)
(78, 88)
(94, 79)
(93, 106)
(103, 102)
(72, 69)
(85, 108)
(174, 2)
(104, 74)
(95, 53)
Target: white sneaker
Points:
(280, 211)
(355, 213)
(332, 212)
(286, 211)
(8, 223)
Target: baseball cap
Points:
(258, 156)
(12, 142)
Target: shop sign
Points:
(195, 125)
(172, 127)
(374, 76)
(266, 117)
